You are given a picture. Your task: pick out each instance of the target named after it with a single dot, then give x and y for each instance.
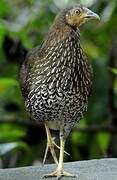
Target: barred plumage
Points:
(57, 78)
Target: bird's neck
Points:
(59, 28)
(59, 32)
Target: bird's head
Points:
(68, 19)
(77, 15)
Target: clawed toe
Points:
(59, 174)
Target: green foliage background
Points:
(23, 25)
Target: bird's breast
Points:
(61, 81)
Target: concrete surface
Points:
(103, 169)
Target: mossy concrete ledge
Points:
(103, 169)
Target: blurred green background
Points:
(23, 25)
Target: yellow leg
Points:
(50, 145)
(59, 172)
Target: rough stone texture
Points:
(103, 169)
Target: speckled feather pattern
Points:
(56, 81)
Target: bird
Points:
(56, 80)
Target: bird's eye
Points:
(77, 12)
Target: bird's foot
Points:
(59, 174)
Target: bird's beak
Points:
(88, 14)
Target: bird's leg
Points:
(50, 144)
(59, 172)
(59, 148)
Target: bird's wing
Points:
(26, 69)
